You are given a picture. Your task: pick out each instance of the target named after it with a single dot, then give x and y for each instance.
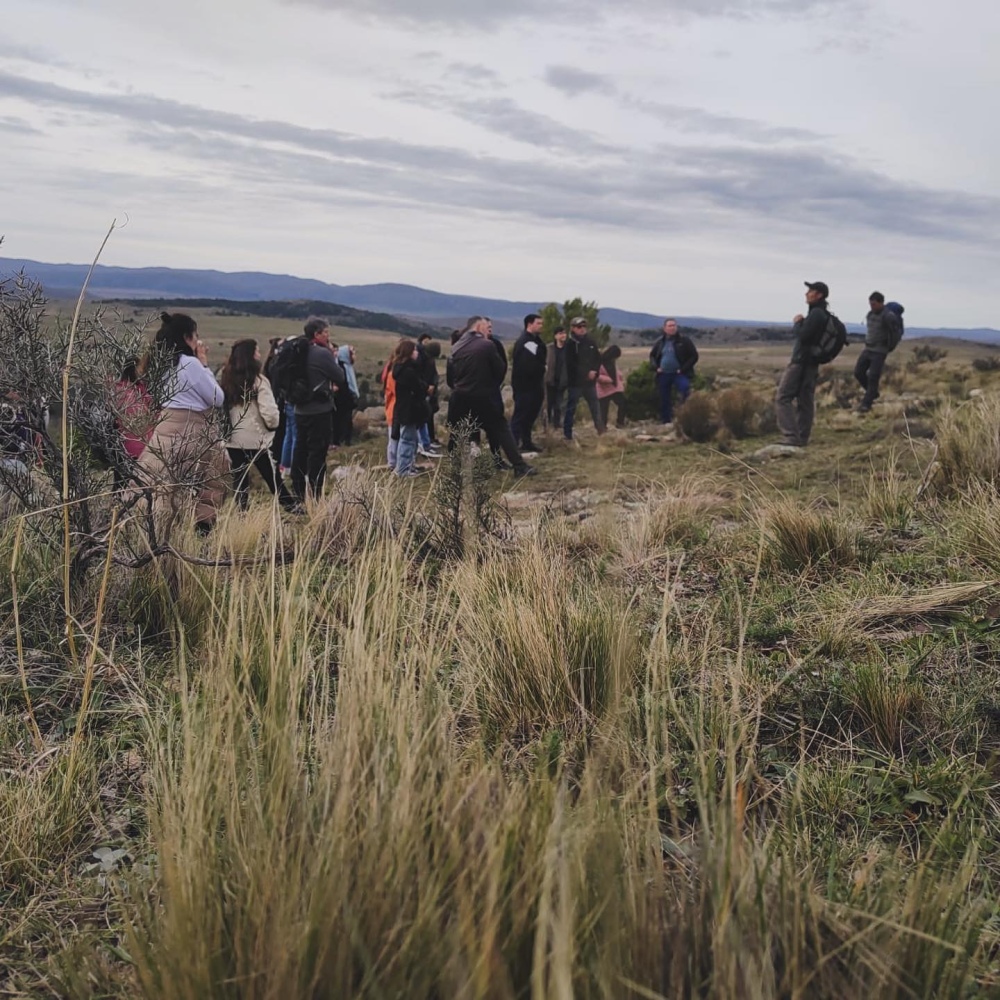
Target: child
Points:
(411, 411)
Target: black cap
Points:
(876, 297)
(818, 286)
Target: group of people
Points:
(795, 402)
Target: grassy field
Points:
(668, 720)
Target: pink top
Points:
(608, 386)
(136, 416)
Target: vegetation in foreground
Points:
(726, 735)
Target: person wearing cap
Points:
(673, 358)
(556, 382)
(795, 403)
(883, 334)
(583, 362)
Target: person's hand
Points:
(335, 387)
(798, 318)
(591, 375)
(430, 390)
(659, 371)
(201, 352)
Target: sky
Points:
(689, 157)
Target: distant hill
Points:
(174, 284)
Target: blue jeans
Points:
(406, 454)
(424, 435)
(291, 433)
(666, 382)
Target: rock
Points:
(375, 414)
(342, 472)
(646, 438)
(975, 393)
(776, 451)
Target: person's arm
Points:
(603, 378)
(655, 353)
(266, 404)
(813, 326)
(202, 382)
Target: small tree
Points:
(554, 315)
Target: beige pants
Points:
(184, 461)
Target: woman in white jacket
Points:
(184, 454)
(253, 416)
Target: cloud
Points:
(8, 123)
(488, 13)
(573, 81)
(675, 188)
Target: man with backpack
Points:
(308, 375)
(885, 329)
(817, 341)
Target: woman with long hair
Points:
(184, 454)
(611, 385)
(347, 398)
(411, 410)
(253, 417)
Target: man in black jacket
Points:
(882, 336)
(583, 362)
(673, 358)
(527, 379)
(798, 384)
(474, 372)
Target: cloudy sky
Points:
(698, 157)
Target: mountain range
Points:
(65, 281)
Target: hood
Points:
(344, 354)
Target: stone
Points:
(772, 451)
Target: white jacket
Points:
(254, 422)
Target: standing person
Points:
(556, 380)
(527, 379)
(389, 395)
(430, 351)
(347, 399)
(253, 418)
(673, 357)
(498, 391)
(583, 362)
(795, 403)
(611, 385)
(411, 409)
(279, 434)
(184, 452)
(474, 371)
(884, 331)
(312, 419)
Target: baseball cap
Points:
(818, 286)
(578, 321)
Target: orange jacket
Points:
(389, 385)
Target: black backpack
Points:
(289, 372)
(897, 310)
(831, 340)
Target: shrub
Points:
(642, 400)
(696, 418)
(738, 409)
(801, 537)
(928, 353)
(988, 364)
(968, 440)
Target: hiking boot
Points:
(531, 446)
(525, 470)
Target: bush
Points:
(989, 364)
(738, 409)
(696, 418)
(928, 353)
(642, 400)
(968, 445)
(798, 538)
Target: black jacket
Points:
(687, 354)
(527, 371)
(582, 356)
(808, 331)
(411, 395)
(475, 365)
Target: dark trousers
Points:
(279, 434)
(309, 460)
(795, 403)
(666, 383)
(527, 406)
(605, 402)
(576, 393)
(483, 411)
(241, 460)
(555, 397)
(343, 420)
(868, 372)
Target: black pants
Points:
(279, 434)
(343, 420)
(241, 460)
(555, 399)
(309, 460)
(868, 372)
(605, 403)
(527, 406)
(484, 412)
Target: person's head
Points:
(876, 301)
(424, 339)
(239, 374)
(455, 334)
(432, 349)
(670, 327)
(816, 291)
(472, 323)
(487, 326)
(178, 334)
(317, 330)
(611, 354)
(578, 326)
(559, 336)
(131, 370)
(533, 323)
(406, 350)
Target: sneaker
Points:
(529, 454)
(427, 453)
(501, 465)
(525, 470)
(863, 408)
(532, 447)
(412, 474)
(435, 447)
